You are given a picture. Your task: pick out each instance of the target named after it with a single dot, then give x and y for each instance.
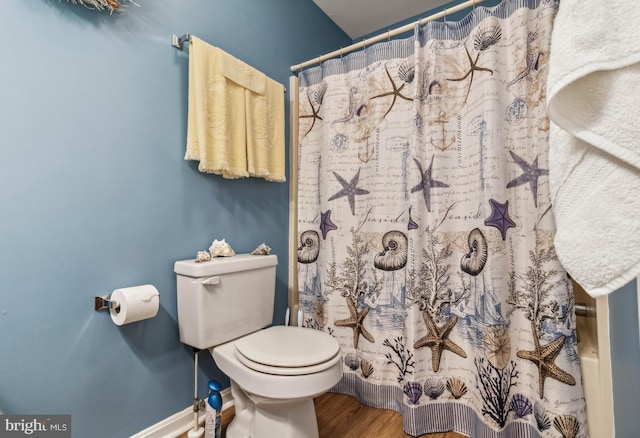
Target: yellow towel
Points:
(236, 119)
(265, 136)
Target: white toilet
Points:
(224, 305)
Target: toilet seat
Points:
(288, 351)
(287, 371)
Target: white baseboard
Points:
(180, 422)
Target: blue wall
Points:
(95, 195)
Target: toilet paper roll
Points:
(134, 304)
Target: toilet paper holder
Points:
(104, 302)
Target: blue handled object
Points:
(215, 399)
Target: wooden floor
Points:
(342, 416)
(345, 417)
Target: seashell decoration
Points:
(497, 346)
(413, 390)
(433, 388)
(541, 417)
(309, 247)
(203, 256)
(407, 71)
(352, 360)
(220, 248)
(318, 95)
(456, 387)
(487, 36)
(339, 142)
(262, 249)
(521, 406)
(366, 367)
(394, 255)
(473, 262)
(567, 425)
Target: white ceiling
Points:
(362, 17)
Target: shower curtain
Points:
(426, 231)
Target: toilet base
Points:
(259, 417)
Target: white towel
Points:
(594, 155)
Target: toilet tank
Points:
(224, 298)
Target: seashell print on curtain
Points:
(426, 231)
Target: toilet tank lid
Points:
(224, 265)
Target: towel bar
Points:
(178, 43)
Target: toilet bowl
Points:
(274, 380)
(224, 305)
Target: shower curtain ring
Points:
(389, 35)
(445, 15)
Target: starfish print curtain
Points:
(426, 231)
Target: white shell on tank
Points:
(220, 248)
(224, 298)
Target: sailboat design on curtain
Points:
(426, 233)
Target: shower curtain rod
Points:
(382, 36)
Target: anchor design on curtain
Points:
(426, 233)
